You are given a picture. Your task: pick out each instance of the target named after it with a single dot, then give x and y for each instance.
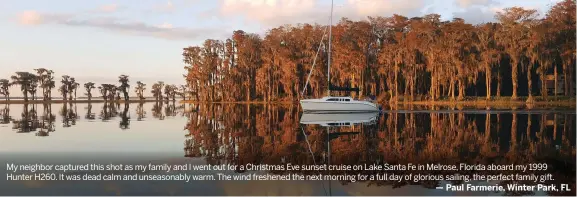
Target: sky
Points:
(99, 40)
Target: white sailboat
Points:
(331, 104)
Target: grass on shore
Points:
(522, 100)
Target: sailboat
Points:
(331, 104)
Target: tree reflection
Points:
(68, 114)
(5, 117)
(267, 134)
(170, 109)
(125, 118)
(181, 109)
(157, 111)
(108, 111)
(89, 115)
(29, 120)
(48, 119)
(140, 112)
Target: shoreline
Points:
(457, 104)
(471, 102)
(494, 103)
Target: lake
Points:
(241, 134)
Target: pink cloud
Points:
(117, 25)
(468, 3)
(33, 17)
(30, 17)
(109, 8)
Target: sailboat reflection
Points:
(330, 121)
(339, 119)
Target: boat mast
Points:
(330, 39)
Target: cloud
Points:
(164, 31)
(384, 8)
(268, 12)
(165, 26)
(477, 15)
(484, 14)
(109, 8)
(469, 3)
(280, 12)
(30, 17)
(105, 9)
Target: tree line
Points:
(43, 82)
(393, 58)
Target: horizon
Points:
(98, 41)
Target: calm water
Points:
(271, 134)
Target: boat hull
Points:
(320, 106)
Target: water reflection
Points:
(157, 111)
(69, 114)
(48, 119)
(276, 134)
(170, 109)
(125, 117)
(224, 134)
(29, 120)
(89, 115)
(5, 115)
(108, 111)
(141, 114)
(338, 119)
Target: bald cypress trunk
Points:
(555, 88)
(461, 89)
(543, 85)
(514, 77)
(488, 81)
(530, 84)
(566, 78)
(498, 94)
